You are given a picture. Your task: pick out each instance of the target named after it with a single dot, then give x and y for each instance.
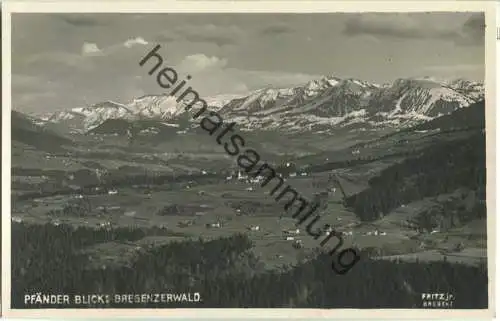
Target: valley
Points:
(176, 184)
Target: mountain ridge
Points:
(315, 105)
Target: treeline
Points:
(361, 160)
(440, 169)
(46, 259)
(118, 180)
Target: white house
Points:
(215, 225)
(105, 224)
(292, 232)
(376, 232)
(112, 192)
(241, 177)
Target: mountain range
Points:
(318, 105)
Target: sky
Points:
(61, 60)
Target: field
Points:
(196, 199)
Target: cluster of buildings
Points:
(376, 232)
(243, 177)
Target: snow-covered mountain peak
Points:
(326, 101)
(155, 106)
(319, 84)
(219, 101)
(358, 82)
(411, 83)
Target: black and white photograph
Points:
(249, 160)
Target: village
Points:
(217, 201)
(238, 205)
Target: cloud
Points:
(79, 20)
(25, 81)
(33, 97)
(90, 49)
(467, 71)
(85, 60)
(277, 29)
(211, 75)
(390, 25)
(220, 35)
(56, 60)
(472, 32)
(136, 41)
(166, 36)
(455, 68)
(201, 63)
(408, 26)
(207, 33)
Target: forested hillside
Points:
(227, 275)
(26, 132)
(439, 169)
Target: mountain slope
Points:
(440, 169)
(139, 128)
(471, 117)
(24, 130)
(444, 168)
